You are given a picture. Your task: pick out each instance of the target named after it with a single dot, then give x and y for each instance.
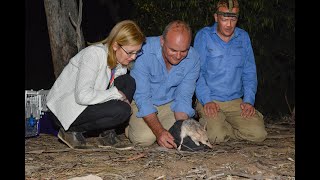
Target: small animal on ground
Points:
(195, 131)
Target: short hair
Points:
(125, 33)
(176, 24)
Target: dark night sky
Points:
(38, 65)
(96, 23)
(99, 16)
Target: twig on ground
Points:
(281, 136)
(137, 157)
(273, 126)
(240, 174)
(97, 150)
(48, 151)
(69, 149)
(161, 177)
(215, 176)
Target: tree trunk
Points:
(62, 33)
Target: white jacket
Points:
(83, 82)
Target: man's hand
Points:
(211, 109)
(165, 139)
(247, 110)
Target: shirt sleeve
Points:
(185, 90)
(249, 75)
(142, 95)
(202, 89)
(85, 92)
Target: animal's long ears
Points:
(205, 125)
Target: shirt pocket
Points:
(176, 79)
(237, 57)
(214, 61)
(156, 79)
(156, 84)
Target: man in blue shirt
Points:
(165, 76)
(227, 84)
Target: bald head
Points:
(175, 42)
(177, 27)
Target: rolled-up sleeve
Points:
(142, 95)
(185, 90)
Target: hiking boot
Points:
(109, 139)
(74, 140)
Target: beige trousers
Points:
(229, 124)
(139, 132)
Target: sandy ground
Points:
(47, 158)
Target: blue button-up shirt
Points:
(228, 70)
(156, 86)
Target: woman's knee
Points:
(122, 111)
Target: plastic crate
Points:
(35, 107)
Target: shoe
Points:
(109, 139)
(74, 140)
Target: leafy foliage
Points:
(270, 24)
(153, 16)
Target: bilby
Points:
(195, 131)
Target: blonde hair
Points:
(125, 33)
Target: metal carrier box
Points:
(35, 109)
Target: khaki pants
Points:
(139, 132)
(229, 124)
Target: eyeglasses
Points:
(138, 53)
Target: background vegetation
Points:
(271, 26)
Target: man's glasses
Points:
(130, 54)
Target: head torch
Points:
(230, 13)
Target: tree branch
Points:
(77, 25)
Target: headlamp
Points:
(230, 7)
(228, 14)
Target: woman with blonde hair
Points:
(94, 90)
